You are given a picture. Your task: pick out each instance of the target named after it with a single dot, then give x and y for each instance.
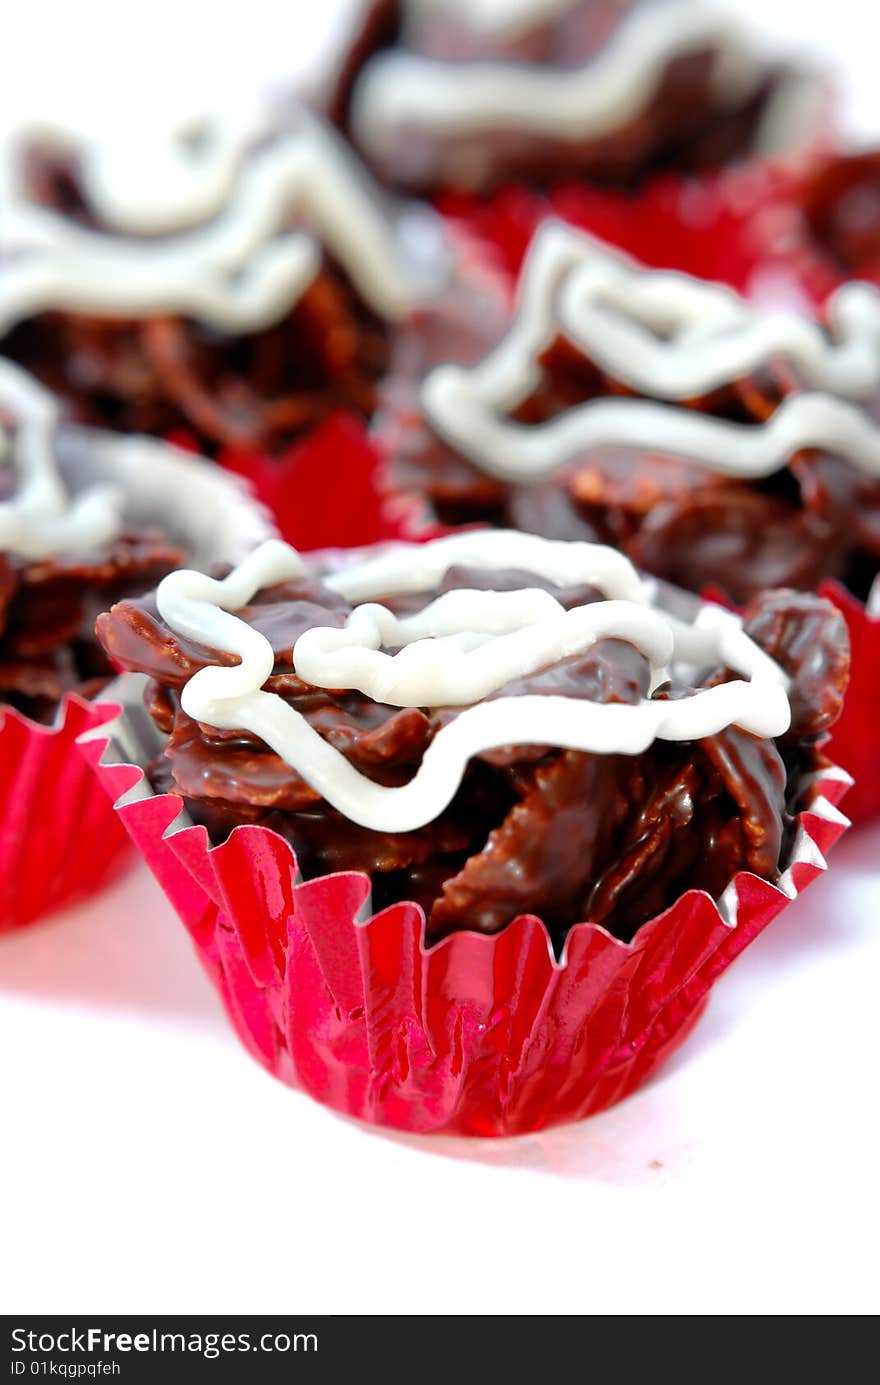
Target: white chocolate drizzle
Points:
(225, 224)
(41, 519)
(563, 564)
(401, 93)
(463, 646)
(491, 17)
(673, 338)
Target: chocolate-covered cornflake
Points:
(533, 829)
(816, 517)
(840, 201)
(48, 609)
(666, 101)
(167, 375)
(377, 27)
(253, 296)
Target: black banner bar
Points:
(132, 1348)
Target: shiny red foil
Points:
(477, 1035)
(327, 490)
(719, 227)
(855, 737)
(744, 226)
(59, 838)
(786, 249)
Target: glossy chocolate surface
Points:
(47, 618)
(684, 127)
(533, 829)
(817, 517)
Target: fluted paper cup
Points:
(481, 1035)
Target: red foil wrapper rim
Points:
(482, 1035)
(359, 508)
(737, 226)
(855, 738)
(58, 842)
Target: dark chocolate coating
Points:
(532, 829)
(48, 609)
(683, 127)
(170, 375)
(166, 375)
(817, 517)
(841, 203)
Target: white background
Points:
(148, 1165)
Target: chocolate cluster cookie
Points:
(440, 95)
(63, 557)
(716, 442)
(511, 636)
(87, 519)
(48, 609)
(235, 282)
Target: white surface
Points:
(147, 1164)
(95, 63)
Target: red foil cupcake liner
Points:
(58, 841)
(787, 250)
(330, 490)
(477, 1035)
(855, 737)
(737, 227)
